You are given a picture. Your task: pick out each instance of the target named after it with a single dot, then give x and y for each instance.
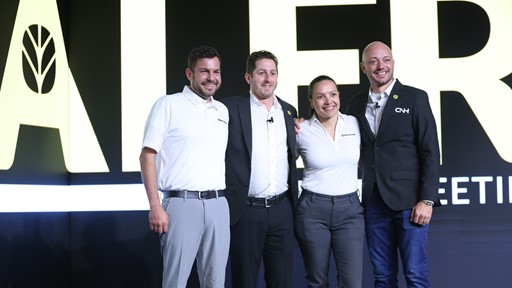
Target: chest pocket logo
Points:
(402, 110)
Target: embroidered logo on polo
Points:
(38, 89)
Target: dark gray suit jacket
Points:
(238, 153)
(404, 158)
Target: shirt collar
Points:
(314, 119)
(197, 100)
(255, 101)
(385, 93)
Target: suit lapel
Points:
(290, 126)
(362, 115)
(390, 107)
(244, 112)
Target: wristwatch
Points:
(428, 202)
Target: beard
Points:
(205, 90)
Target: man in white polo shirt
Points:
(182, 159)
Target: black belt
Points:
(267, 202)
(208, 194)
(314, 194)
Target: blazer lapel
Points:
(362, 116)
(390, 107)
(244, 112)
(290, 127)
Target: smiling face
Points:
(378, 65)
(263, 80)
(325, 100)
(205, 77)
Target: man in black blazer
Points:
(261, 179)
(400, 170)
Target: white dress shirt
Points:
(269, 156)
(375, 107)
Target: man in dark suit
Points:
(400, 170)
(261, 179)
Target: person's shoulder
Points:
(168, 98)
(290, 110)
(235, 98)
(232, 101)
(353, 101)
(410, 89)
(219, 104)
(363, 94)
(413, 89)
(347, 118)
(283, 102)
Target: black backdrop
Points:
(469, 244)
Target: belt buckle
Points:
(199, 195)
(266, 202)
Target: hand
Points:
(297, 122)
(421, 213)
(158, 220)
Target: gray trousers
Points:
(326, 224)
(198, 229)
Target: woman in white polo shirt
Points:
(329, 215)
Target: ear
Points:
(247, 77)
(188, 73)
(363, 68)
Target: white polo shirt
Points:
(330, 166)
(190, 136)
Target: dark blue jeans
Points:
(389, 232)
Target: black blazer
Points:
(404, 158)
(238, 153)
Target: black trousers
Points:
(263, 233)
